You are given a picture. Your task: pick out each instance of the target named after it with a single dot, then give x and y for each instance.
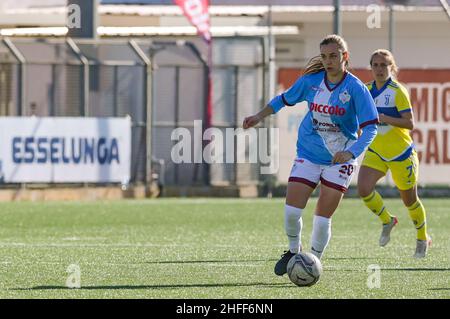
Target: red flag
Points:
(197, 13)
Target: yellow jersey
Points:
(391, 143)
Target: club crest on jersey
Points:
(386, 101)
(344, 97)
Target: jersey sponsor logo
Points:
(327, 109)
(325, 126)
(317, 88)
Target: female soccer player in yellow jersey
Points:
(392, 149)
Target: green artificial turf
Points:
(209, 248)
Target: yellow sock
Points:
(375, 203)
(419, 218)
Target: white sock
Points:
(321, 235)
(293, 225)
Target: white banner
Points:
(63, 149)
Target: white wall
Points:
(416, 45)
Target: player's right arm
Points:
(253, 120)
(296, 93)
(405, 121)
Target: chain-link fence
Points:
(238, 92)
(165, 81)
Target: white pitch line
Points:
(75, 245)
(218, 264)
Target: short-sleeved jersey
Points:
(391, 143)
(334, 117)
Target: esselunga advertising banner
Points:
(65, 150)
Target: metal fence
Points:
(164, 81)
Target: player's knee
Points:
(296, 199)
(409, 196)
(364, 190)
(410, 199)
(297, 203)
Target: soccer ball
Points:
(304, 269)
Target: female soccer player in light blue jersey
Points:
(328, 143)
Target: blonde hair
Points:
(315, 65)
(389, 57)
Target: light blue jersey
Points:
(335, 115)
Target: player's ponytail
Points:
(389, 57)
(315, 65)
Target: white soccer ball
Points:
(304, 269)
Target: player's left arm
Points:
(368, 133)
(404, 107)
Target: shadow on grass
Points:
(384, 269)
(417, 269)
(351, 258)
(243, 261)
(126, 287)
(206, 261)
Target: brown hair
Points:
(389, 57)
(315, 64)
